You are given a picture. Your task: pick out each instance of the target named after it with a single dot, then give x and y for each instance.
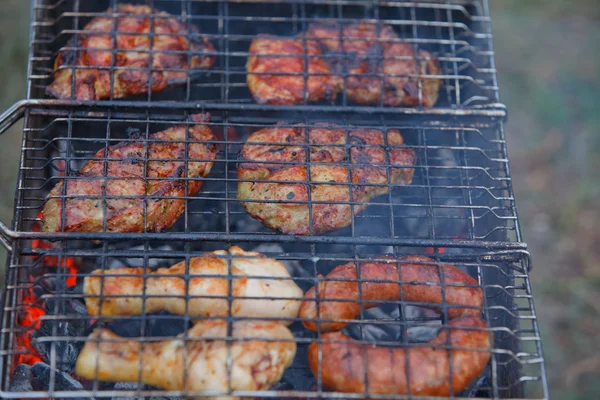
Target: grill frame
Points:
(481, 249)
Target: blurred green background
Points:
(548, 59)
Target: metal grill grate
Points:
(457, 33)
(459, 209)
(460, 190)
(515, 369)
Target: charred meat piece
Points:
(197, 362)
(119, 291)
(378, 67)
(283, 70)
(345, 166)
(427, 370)
(380, 282)
(135, 186)
(151, 48)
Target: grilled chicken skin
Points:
(176, 47)
(258, 359)
(121, 186)
(107, 292)
(276, 71)
(370, 50)
(280, 154)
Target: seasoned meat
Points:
(336, 156)
(427, 370)
(259, 353)
(276, 71)
(371, 52)
(176, 48)
(124, 182)
(119, 291)
(421, 283)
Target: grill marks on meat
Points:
(174, 49)
(277, 67)
(259, 353)
(427, 370)
(119, 291)
(337, 157)
(155, 169)
(380, 282)
(377, 67)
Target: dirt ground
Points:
(548, 62)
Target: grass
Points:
(550, 79)
(548, 63)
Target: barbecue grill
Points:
(459, 209)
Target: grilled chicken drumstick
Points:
(150, 47)
(369, 51)
(111, 292)
(122, 186)
(441, 367)
(194, 362)
(294, 71)
(275, 154)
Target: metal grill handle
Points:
(8, 119)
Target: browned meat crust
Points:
(290, 59)
(423, 370)
(201, 361)
(281, 154)
(421, 284)
(168, 55)
(131, 178)
(199, 288)
(370, 50)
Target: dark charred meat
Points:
(283, 70)
(150, 48)
(377, 66)
(124, 189)
(345, 166)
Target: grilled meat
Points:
(196, 362)
(119, 291)
(421, 283)
(280, 154)
(428, 370)
(121, 186)
(141, 59)
(378, 68)
(276, 71)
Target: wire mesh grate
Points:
(515, 369)
(460, 190)
(122, 303)
(456, 33)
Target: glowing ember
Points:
(436, 250)
(30, 318)
(32, 311)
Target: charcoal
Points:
(41, 374)
(21, 381)
(66, 351)
(160, 324)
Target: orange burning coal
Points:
(29, 317)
